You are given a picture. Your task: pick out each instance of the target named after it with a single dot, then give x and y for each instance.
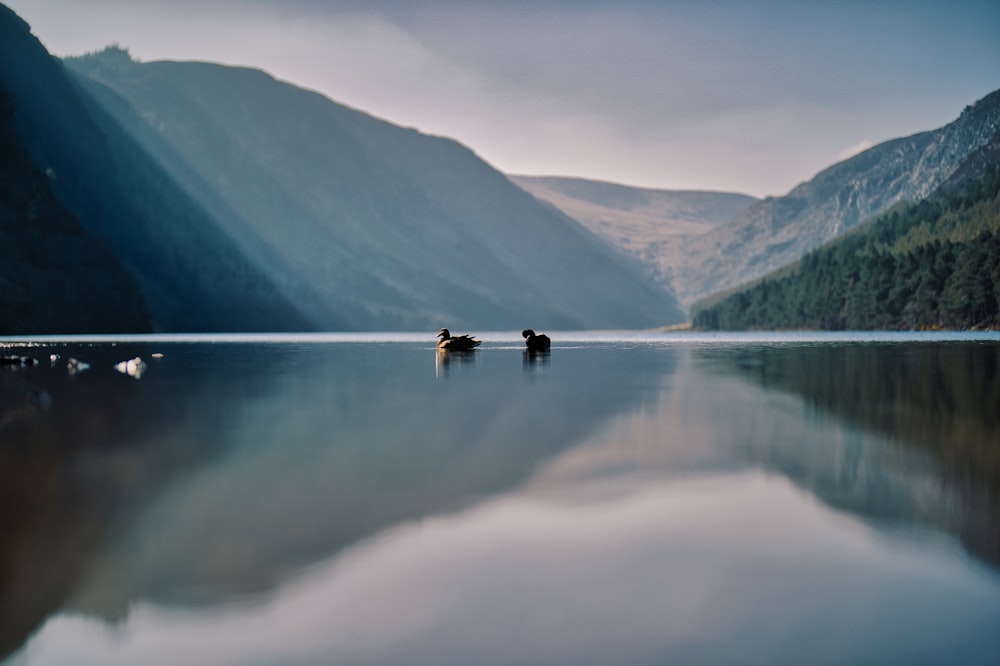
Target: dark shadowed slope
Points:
(386, 227)
(193, 278)
(55, 277)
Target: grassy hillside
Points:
(635, 219)
(935, 264)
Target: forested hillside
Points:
(779, 230)
(935, 264)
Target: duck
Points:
(535, 342)
(456, 343)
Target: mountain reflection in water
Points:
(936, 408)
(351, 502)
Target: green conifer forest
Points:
(933, 264)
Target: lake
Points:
(628, 498)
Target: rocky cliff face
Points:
(779, 230)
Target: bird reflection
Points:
(444, 358)
(532, 359)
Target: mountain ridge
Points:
(931, 264)
(635, 219)
(190, 277)
(779, 230)
(242, 202)
(409, 231)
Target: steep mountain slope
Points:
(932, 264)
(191, 275)
(367, 224)
(635, 219)
(55, 277)
(777, 231)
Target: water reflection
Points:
(645, 503)
(532, 357)
(445, 358)
(53, 517)
(227, 469)
(935, 407)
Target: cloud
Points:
(751, 97)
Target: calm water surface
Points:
(626, 499)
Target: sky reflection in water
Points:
(636, 500)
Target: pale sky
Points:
(736, 95)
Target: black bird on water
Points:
(457, 343)
(535, 342)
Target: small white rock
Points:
(75, 365)
(134, 367)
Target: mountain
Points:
(699, 243)
(360, 223)
(636, 220)
(190, 273)
(240, 202)
(779, 230)
(932, 264)
(927, 465)
(55, 277)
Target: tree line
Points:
(933, 264)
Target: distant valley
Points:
(637, 220)
(696, 244)
(217, 198)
